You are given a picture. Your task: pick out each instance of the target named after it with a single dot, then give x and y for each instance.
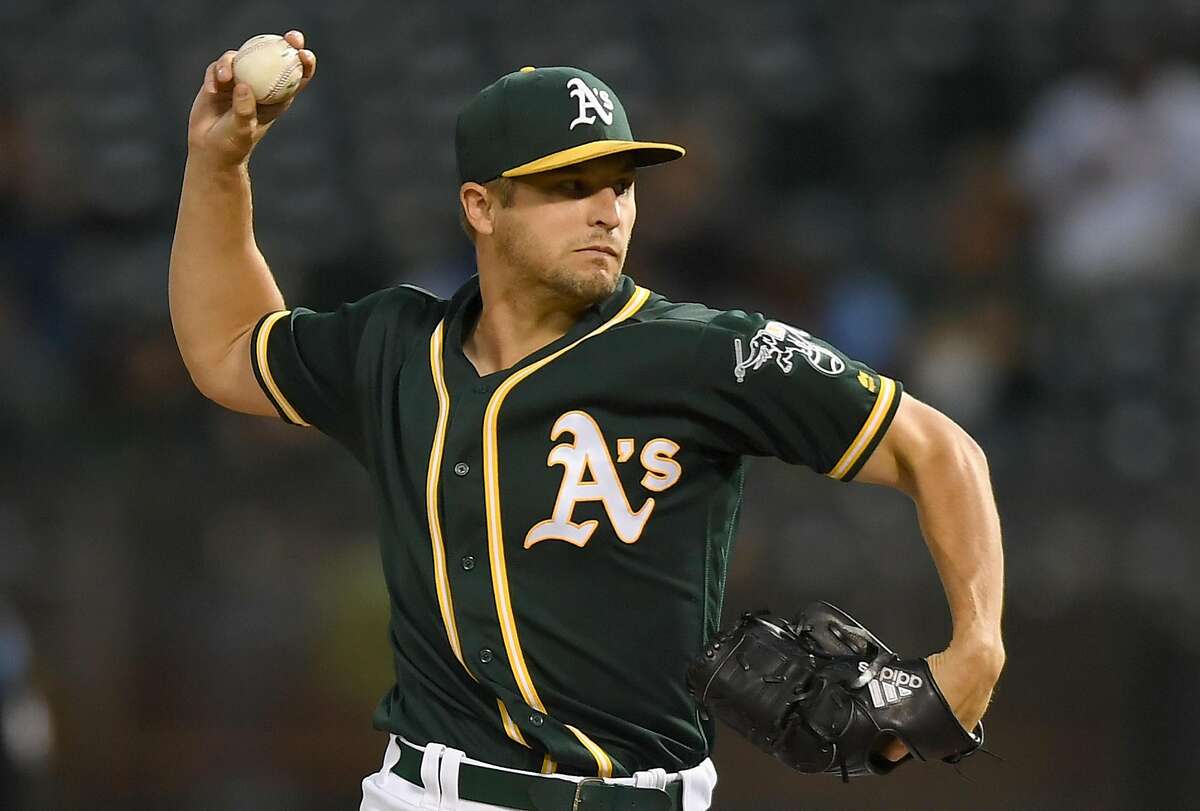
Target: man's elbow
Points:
(222, 372)
(967, 452)
(229, 385)
(957, 457)
(207, 380)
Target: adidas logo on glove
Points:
(891, 686)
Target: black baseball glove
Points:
(823, 695)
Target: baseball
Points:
(270, 66)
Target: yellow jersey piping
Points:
(603, 761)
(264, 369)
(432, 479)
(510, 727)
(883, 403)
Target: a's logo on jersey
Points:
(590, 98)
(780, 343)
(867, 382)
(589, 474)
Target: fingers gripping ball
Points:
(823, 694)
(271, 66)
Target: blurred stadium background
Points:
(995, 202)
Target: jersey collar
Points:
(466, 304)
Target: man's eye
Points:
(624, 186)
(570, 185)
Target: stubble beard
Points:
(582, 287)
(576, 287)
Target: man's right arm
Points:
(220, 284)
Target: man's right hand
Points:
(226, 123)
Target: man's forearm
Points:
(958, 517)
(220, 285)
(927, 456)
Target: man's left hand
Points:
(966, 675)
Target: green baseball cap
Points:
(537, 119)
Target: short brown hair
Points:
(504, 189)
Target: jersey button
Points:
(468, 562)
(462, 469)
(486, 655)
(537, 719)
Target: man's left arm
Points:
(940, 467)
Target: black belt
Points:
(531, 792)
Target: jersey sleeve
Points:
(776, 390)
(315, 367)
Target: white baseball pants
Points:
(385, 791)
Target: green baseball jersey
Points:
(555, 536)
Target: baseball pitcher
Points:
(557, 456)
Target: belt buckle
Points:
(579, 788)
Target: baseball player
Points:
(556, 454)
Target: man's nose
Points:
(604, 209)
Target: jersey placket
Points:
(464, 519)
(495, 529)
(469, 500)
(464, 543)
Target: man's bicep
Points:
(916, 430)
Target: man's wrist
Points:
(216, 165)
(983, 646)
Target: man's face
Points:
(568, 229)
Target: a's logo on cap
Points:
(590, 98)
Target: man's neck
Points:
(514, 323)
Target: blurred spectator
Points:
(26, 731)
(1111, 160)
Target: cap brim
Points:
(648, 154)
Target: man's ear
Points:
(477, 207)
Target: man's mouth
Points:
(604, 249)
